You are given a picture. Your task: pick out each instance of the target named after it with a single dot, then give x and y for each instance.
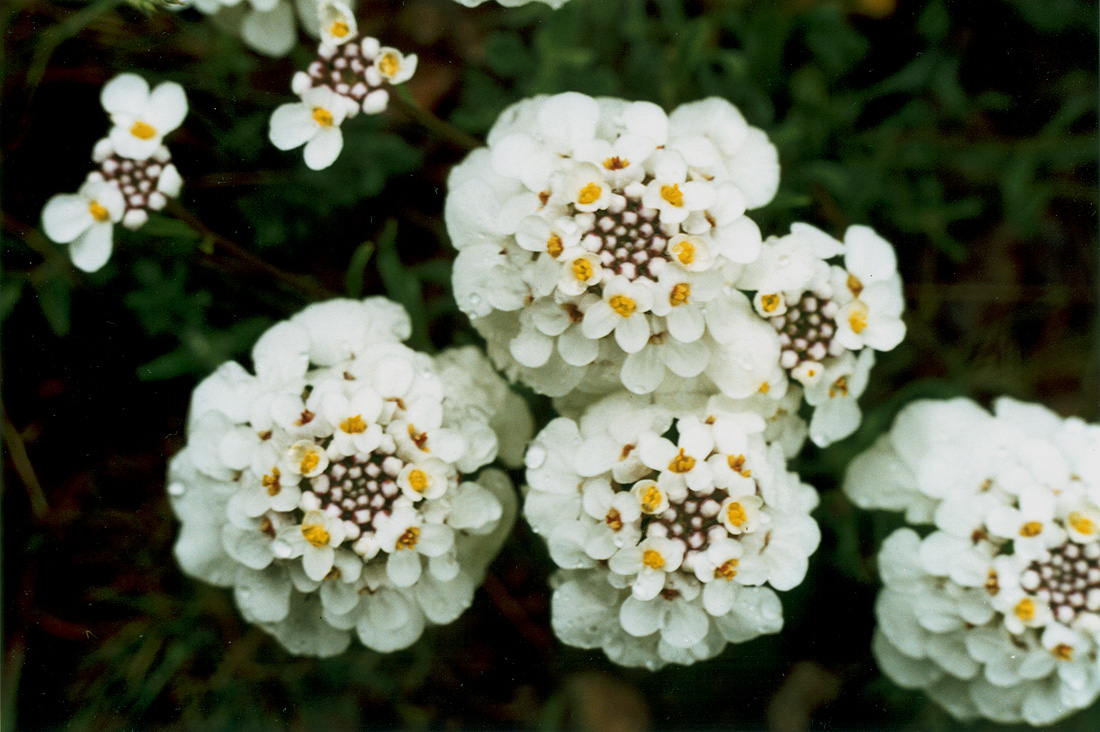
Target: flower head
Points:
(141, 117)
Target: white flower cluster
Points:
(672, 526)
(996, 612)
(348, 76)
(269, 27)
(135, 174)
(512, 3)
(332, 489)
(605, 244)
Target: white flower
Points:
(873, 317)
(834, 394)
(85, 220)
(313, 122)
(671, 193)
(652, 525)
(326, 489)
(142, 117)
(622, 310)
(338, 24)
(393, 66)
(996, 613)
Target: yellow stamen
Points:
(769, 303)
(271, 482)
(1063, 652)
(992, 584)
(583, 270)
(309, 461)
(322, 116)
(554, 245)
(653, 559)
(622, 305)
(673, 195)
(840, 386)
(685, 252)
(339, 29)
(614, 520)
(143, 130)
(98, 213)
(615, 163)
(765, 388)
(857, 319)
(1025, 609)
(389, 65)
(418, 479)
(1081, 524)
(354, 425)
(736, 514)
(409, 539)
(736, 462)
(1031, 528)
(727, 571)
(855, 285)
(589, 193)
(651, 499)
(315, 534)
(680, 294)
(681, 463)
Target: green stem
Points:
(404, 102)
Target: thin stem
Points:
(17, 450)
(407, 105)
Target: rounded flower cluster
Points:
(348, 76)
(134, 176)
(672, 526)
(334, 490)
(996, 612)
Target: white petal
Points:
(126, 93)
(65, 217)
(640, 618)
(291, 126)
(93, 248)
(272, 33)
(324, 148)
(167, 107)
(263, 596)
(403, 567)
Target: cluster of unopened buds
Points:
(135, 174)
(349, 75)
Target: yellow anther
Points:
(389, 65)
(1081, 524)
(673, 195)
(1063, 652)
(765, 388)
(653, 559)
(680, 294)
(315, 534)
(685, 252)
(419, 481)
(354, 425)
(736, 462)
(623, 305)
(143, 130)
(681, 463)
(409, 539)
(770, 303)
(854, 285)
(736, 514)
(652, 499)
(992, 583)
(309, 461)
(339, 29)
(615, 163)
(589, 193)
(1025, 609)
(583, 270)
(840, 386)
(98, 213)
(1031, 528)
(554, 245)
(727, 571)
(322, 116)
(857, 319)
(271, 482)
(614, 519)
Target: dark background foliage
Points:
(963, 130)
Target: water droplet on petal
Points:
(176, 489)
(475, 300)
(535, 457)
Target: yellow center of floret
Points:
(339, 29)
(583, 270)
(651, 499)
(857, 319)
(409, 539)
(681, 463)
(309, 461)
(615, 163)
(1063, 651)
(653, 559)
(1081, 524)
(614, 520)
(840, 386)
(1025, 609)
(854, 285)
(315, 534)
(322, 116)
(673, 195)
(589, 193)
(554, 245)
(143, 130)
(271, 482)
(354, 425)
(727, 571)
(680, 294)
(765, 388)
(389, 65)
(622, 305)
(418, 479)
(736, 514)
(992, 583)
(98, 212)
(769, 303)
(685, 252)
(1031, 528)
